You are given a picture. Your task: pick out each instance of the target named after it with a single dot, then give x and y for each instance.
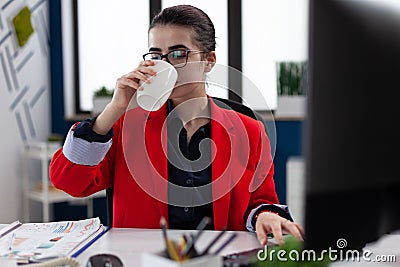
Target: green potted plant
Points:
(291, 254)
(101, 98)
(292, 88)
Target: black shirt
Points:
(189, 166)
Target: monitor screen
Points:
(352, 145)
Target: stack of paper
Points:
(33, 241)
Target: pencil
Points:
(169, 244)
(163, 224)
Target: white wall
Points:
(24, 98)
(273, 30)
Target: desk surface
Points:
(129, 244)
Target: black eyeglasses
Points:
(177, 58)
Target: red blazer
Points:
(136, 164)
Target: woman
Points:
(175, 171)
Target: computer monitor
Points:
(352, 145)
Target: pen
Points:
(11, 241)
(205, 251)
(233, 236)
(202, 225)
(11, 227)
(78, 252)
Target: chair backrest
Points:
(221, 102)
(239, 107)
(109, 202)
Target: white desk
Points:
(129, 244)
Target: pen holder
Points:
(161, 259)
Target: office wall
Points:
(277, 30)
(24, 98)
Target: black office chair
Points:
(221, 102)
(239, 107)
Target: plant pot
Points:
(291, 106)
(99, 103)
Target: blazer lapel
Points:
(221, 134)
(156, 146)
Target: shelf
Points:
(44, 192)
(41, 150)
(55, 196)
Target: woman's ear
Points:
(211, 59)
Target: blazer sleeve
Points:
(80, 180)
(262, 187)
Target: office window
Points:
(273, 30)
(112, 39)
(218, 13)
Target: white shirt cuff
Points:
(249, 225)
(80, 151)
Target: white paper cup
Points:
(156, 93)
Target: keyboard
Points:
(241, 259)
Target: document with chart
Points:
(27, 241)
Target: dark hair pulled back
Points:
(189, 16)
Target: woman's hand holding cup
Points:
(128, 84)
(125, 89)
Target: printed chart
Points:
(32, 240)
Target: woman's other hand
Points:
(268, 222)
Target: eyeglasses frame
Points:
(188, 51)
